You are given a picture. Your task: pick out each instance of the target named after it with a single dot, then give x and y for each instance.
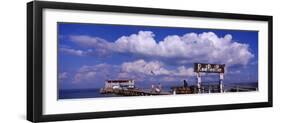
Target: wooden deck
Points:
(133, 92)
(183, 90)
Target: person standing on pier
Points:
(152, 88)
(185, 85)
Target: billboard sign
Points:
(209, 68)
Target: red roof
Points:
(118, 81)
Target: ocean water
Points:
(95, 93)
(81, 93)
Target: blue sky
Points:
(91, 53)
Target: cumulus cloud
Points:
(101, 46)
(75, 52)
(86, 76)
(88, 41)
(188, 48)
(154, 68)
(148, 68)
(141, 43)
(63, 75)
(183, 71)
(138, 70)
(191, 47)
(93, 73)
(72, 51)
(97, 74)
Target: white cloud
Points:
(183, 71)
(154, 68)
(75, 52)
(86, 76)
(142, 43)
(72, 51)
(148, 68)
(92, 73)
(88, 41)
(102, 47)
(139, 70)
(63, 75)
(189, 48)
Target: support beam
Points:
(221, 82)
(198, 82)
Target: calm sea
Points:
(95, 93)
(81, 93)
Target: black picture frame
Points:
(35, 69)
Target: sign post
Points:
(221, 82)
(198, 82)
(209, 68)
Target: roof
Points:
(118, 81)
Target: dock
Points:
(183, 90)
(132, 92)
(128, 88)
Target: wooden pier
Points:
(182, 90)
(174, 90)
(132, 92)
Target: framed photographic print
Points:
(95, 61)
